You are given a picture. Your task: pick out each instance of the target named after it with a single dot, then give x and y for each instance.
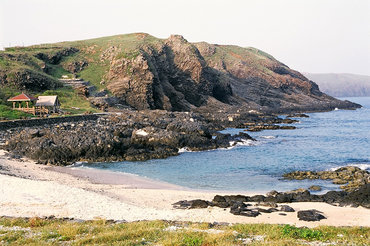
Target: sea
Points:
(324, 141)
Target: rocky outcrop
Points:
(350, 178)
(129, 136)
(176, 75)
(240, 205)
(28, 79)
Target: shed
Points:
(51, 103)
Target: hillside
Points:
(342, 84)
(144, 72)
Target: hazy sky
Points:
(307, 35)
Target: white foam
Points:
(362, 166)
(247, 142)
(336, 109)
(268, 137)
(184, 150)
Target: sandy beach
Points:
(28, 190)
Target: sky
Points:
(318, 36)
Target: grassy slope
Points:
(37, 231)
(127, 46)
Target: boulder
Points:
(310, 215)
(286, 208)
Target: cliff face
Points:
(178, 75)
(149, 73)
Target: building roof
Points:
(47, 101)
(22, 98)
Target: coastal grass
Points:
(37, 231)
(70, 101)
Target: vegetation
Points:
(70, 100)
(9, 114)
(36, 231)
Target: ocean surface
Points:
(322, 142)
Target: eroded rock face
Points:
(180, 76)
(173, 76)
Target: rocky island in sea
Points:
(153, 98)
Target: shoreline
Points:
(35, 190)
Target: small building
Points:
(48, 104)
(29, 100)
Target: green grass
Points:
(37, 231)
(94, 73)
(70, 101)
(7, 113)
(57, 71)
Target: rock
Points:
(272, 193)
(34, 133)
(220, 201)
(198, 203)
(250, 213)
(282, 214)
(270, 210)
(298, 115)
(268, 204)
(286, 208)
(237, 208)
(353, 177)
(315, 188)
(310, 215)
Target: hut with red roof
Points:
(23, 98)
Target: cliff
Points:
(144, 72)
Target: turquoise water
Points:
(321, 142)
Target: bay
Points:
(324, 141)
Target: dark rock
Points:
(270, 210)
(237, 208)
(282, 214)
(298, 115)
(198, 203)
(310, 215)
(272, 193)
(286, 208)
(220, 201)
(268, 204)
(352, 177)
(250, 213)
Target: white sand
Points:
(88, 194)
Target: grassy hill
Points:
(141, 71)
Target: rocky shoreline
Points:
(240, 204)
(350, 178)
(131, 135)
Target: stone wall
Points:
(46, 121)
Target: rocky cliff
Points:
(144, 72)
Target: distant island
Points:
(342, 84)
